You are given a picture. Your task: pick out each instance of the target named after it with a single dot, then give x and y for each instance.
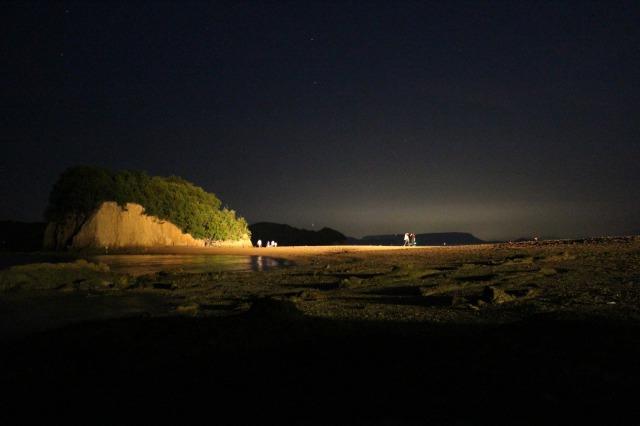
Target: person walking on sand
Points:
(406, 239)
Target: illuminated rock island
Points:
(96, 208)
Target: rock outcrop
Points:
(113, 226)
(58, 235)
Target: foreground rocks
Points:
(79, 275)
(496, 295)
(472, 283)
(535, 334)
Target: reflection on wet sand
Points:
(142, 264)
(263, 263)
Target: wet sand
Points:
(288, 251)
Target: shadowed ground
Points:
(471, 336)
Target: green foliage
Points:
(80, 190)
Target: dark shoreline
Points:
(271, 364)
(492, 334)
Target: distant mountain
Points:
(286, 235)
(21, 236)
(428, 239)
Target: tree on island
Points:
(82, 189)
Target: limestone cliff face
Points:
(117, 227)
(114, 226)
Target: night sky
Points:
(504, 119)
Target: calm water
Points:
(140, 264)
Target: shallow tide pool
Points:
(141, 264)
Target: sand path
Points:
(294, 251)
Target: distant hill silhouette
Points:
(21, 236)
(428, 239)
(286, 235)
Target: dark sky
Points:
(503, 119)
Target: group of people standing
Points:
(409, 239)
(269, 243)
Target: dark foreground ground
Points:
(519, 334)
